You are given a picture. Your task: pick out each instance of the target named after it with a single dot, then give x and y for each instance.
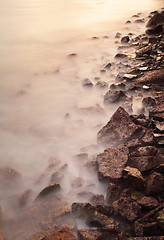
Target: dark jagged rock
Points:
(148, 138)
(133, 177)
(157, 113)
(125, 39)
(155, 184)
(114, 96)
(112, 162)
(52, 188)
(144, 151)
(81, 210)
(121, 56)
(113, 192)
(144, 50)
(143, 163)
(97, 200)
(119, 129)
(160, 219)
(108, 66)
(156, 20)
(127, 208)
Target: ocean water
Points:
(41, 83)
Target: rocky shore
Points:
(131, 165)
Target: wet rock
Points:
(156, 20)
(25, 197)
(125, 39)
(101, 84)
(87, 83)
(118, 35)
(144, 50)
(97, 200)
(160, 219)
(121, 56)
(108, 66)
(155, 184)
(112, 162)
(119, 129)
(114, 96)
(90, 235)
(133, 177)
(127, 208)
(50, 189)
(77, 182)
(148, 202)
(113, 192)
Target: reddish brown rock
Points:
(155, 184)
(157, 113)
(25, 197)
(112, 162)
(153, 77)
(143, 163)
(148, 202)
(118, 130)
(144, 151)
(97, 200)
(127, 208)
(113, 192)
(90, 235)
(52, 188)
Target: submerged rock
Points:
(118, 130)
(112, 162)
(114, 96)
(50, 189)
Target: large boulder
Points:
(112, 162)
(118, 130)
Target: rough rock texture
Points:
(112, 162)
(119, 129)
(114, 96)
(148, 202)
(155, 184)
(52, 188)
(90, 235)
(155, 76)
(127, 208)
(62, 234)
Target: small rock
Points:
(114, 96)
(148, 102)
(108, 66)
(120, 56)
(148, 138)
(139, 21)
(134, 177)
(97, 200)
(125, 39)
(90, 235)
(127, 208)
(118, 35)
(129, 76)
(144, 50)
(112, 162)
(155, 184)
(87, 83)
(101, 84)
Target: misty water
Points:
(45, 111)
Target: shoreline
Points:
(136, 182)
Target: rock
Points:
(63, 233)
(141, 120)
(139, 21)
(146, 238)
(136, 195)
(81, 210)
(50, 189)
(90, 235)
(119, 129)
(129, 76)
(148, 202)
(125, 39)
(118, 35)
(156, 20)
(87, 83)
(146, 229)
(148, 138)
(1, 232)
(155, 184)
(112, 162)
(155, 30)
(144, 151)
(77, 182)
(85, 195)
(108, 66)
(142, 163)
(25, 197)
(113, 192)
(101, 84)
(97, 219)
(121, 56)
(148, 102)
(56, 177)
(127, 208)
(160, 219)
(157, 113)
(144, 50)
(159, 139)
(72, 55)
(97, 200)
(9, 177)
(159, 127)
(134, 177)
(153, 77)
(114, 96)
